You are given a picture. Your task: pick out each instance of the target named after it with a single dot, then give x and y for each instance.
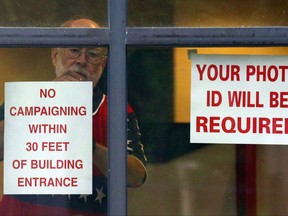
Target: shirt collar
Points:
(98, 98)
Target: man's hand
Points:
(73, 76)
(136, 172)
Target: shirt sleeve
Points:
(2, 111)
(134, 145)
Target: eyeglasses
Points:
(93, 55)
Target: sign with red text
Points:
(239, 99)
(48, 138)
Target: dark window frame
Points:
(117, 37)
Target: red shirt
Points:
(86, 205)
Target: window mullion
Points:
(48, 37)
(117, 109)
(207, 37)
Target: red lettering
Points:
(222, 72)
(55, 146)
(264, 124)
(214, 98)
(201, 71)
(244, 99)
(225, 123)
(214, 124)
(277, 126)
(212, 72)
(264, 73)
(47, 182)
(201, 122)
(228, 124)
(21, 182)
(47, 93)
(283, 69)
(279, 99)
(273, 99)
(12, 111)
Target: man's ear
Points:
(54, 53)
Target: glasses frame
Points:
(89, 59)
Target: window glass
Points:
(207, 13)
(17, 66)
(41, 13)
(150, 13)
(35, 64)
(178, 172)
(200, 178)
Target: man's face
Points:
(87, 63)
(79, 64)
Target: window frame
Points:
(117, 36)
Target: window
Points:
(133, 37)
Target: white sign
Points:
(48, 138)
(239, 99)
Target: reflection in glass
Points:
(184, 178)
(34, 64)
(52, 13)
(169, 13)
(207, 13)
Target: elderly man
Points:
(82, 64)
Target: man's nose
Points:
(82, 59)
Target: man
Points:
(83, 64)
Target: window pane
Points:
(15, 58)
(207, 13)
(42, 13)
(150, 13)
(178, 172)
(185, 178)
(34, 64)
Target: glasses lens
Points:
(94, 55)
(73, 52)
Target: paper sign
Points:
(48, 138)
(239, 99)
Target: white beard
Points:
(60, 70)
